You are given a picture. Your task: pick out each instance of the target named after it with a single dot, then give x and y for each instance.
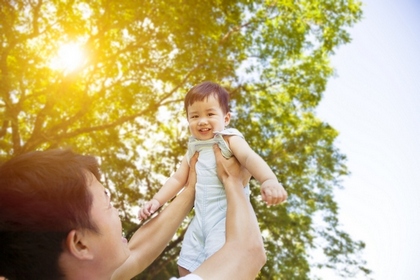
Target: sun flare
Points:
(69, 57)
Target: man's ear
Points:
(77, 243)
(227, 118)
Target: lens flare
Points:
(69, 58)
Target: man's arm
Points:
(150, 240)
(243, 254)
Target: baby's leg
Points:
(182, 271)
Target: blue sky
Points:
(374, 102)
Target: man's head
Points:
(48, 200)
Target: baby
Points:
(207, 108)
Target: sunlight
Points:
(69, 57)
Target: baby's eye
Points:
(194, 117)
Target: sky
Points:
(374, 103)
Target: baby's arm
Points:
(272, 191)
(171, 187)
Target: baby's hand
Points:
(273, 193)
(148, 209)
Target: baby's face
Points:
(205, 117)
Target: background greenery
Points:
(123, 103)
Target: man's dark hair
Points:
(203, 91)
(43, 196)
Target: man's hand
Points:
(229, 169)
(192, 175)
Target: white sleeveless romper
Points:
(206, 232)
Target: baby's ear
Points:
(77, 243)
(227, 118)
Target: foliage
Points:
(123, 103)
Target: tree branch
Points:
(4, 128)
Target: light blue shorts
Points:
(206, 233)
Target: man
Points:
(57, 222)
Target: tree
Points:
(121, 100)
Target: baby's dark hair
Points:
(203, 91)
